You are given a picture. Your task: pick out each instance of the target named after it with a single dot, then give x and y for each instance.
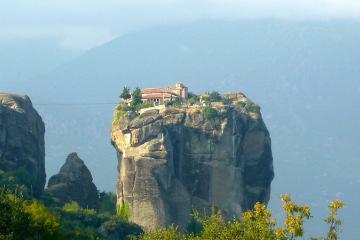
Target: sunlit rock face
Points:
(22, 140)
(172, 159)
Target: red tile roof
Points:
(158, 95)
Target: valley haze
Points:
(303, 74)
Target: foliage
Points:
(145, 104)
(13, 218)
(125, 93)
(212, 115)
(255, 224)
(24, 219)
(71, 207)
(194, 227)
(137, 97)
(249, 106)
(21, 219)
(174, 102)
(332, 219)
(170, 233)
(107, 202)
(122, 228)
(43, 224)
(214, 96)
(87, 224)
(122, 111)
(123, 211)
(226, 101)
(193, 99)
(294, 219)
(18, 181)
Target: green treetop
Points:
(125, 93)
(137, 96)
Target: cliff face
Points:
(22, 138)
(173, 159)
(74, 183)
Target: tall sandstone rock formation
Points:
(172, 159)
(22, 139)
(74, 183)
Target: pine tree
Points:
(125, 93)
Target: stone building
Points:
(158, 95)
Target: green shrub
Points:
(256, 224)
(213, 116)
(107, 202)
(214, 96)
(173, 102)
(226, 101)
(137, 97)
(31, 220)
(170, 233)
(193, 99)
(21, 219)
(123, 211)
(71, 207)
(125, 93)
(122, 111)
(249, 106)
(146, 104)
(20, 181)
(252, 107)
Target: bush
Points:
(21, 219)
(256, 224)
(14, 221)
(214, 96)
(213, 116)
(123, 211)
(107, 202)
(137, 97)
(125, 93)
(43, 223)
(143, 105)
(19, 181)
(226, 101)
(25, 219)
(174, 103)
(193, 99)
(71, 207)
(249, 106)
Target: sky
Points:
(84, 24)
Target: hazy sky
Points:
(82, 24)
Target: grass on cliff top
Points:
(125, 110)
(248, 105)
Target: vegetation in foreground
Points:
(256, 224)
(22, 217)
(25, 219)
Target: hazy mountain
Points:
(305, 76)
(22, 59)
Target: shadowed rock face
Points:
(22, 139)
(74, 183)
(172, 159)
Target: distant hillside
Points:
(304, 75)
(22, 59)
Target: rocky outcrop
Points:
(172, 159)
(22, 139)
(74, 183)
